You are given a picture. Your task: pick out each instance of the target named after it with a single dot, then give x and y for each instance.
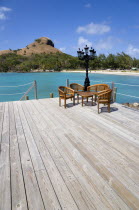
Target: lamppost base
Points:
(86, 83)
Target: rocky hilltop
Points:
(40, 45)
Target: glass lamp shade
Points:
(79, 53)
(91, 52)
(82, 54)
(86, 49)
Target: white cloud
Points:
(82, 42)
(2, 16)
(3, 10)
(93, 28)
(88, 5)
(104, 44)
(63, 49)
(132, 51)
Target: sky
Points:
(110, 26)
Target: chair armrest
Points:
(67, 91)
(61, 92)
(105, 92)
(70, 89)
(102, 92)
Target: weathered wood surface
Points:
(73, 158)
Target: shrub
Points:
(38, 40)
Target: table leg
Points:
(92, 100)
(82, 100)
(77, 98)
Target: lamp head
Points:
(82, 54)
(79, 53)
(92, 53)
(86, 49)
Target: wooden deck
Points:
(56, 158)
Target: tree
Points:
(124, 61)
(111, 61)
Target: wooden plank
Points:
(5, 190)
(31, 185)
(123, 121)
(80, 196)
(68, 158)
(132, 114)
(65, 198)
(67, 152)
(91, 126)
(121, 166)
(17, 181)
(48, 194)
(33, 150)
(130, 195)
(94, 124)
(2, 107)
(128, 191)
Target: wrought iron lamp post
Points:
(85, 56)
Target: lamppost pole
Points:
(84, 56)
(87, 81)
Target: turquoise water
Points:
(49, 82)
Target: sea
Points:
(14, 85)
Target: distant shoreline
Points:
(111, 72)
(114, 72)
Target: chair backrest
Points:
(77, 87)
(65, 90)
(92, 88)
(98, 87)
(105, 95)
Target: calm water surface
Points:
(49, 82)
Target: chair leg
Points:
(98, 107)
(109, 108)
(92, 100)
(74, 100)
(77, 97)
(64, 102)
(82, 100)
(59, 101)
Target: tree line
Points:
(59, 61)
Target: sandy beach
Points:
(114, 72)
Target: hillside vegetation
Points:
(60, 61)
(42, 55)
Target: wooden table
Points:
(85, 95)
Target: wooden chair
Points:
(104, 97)
(98, 88)
(65, 93)
(77, 87)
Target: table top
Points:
(86, 94)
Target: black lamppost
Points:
(84, 56)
